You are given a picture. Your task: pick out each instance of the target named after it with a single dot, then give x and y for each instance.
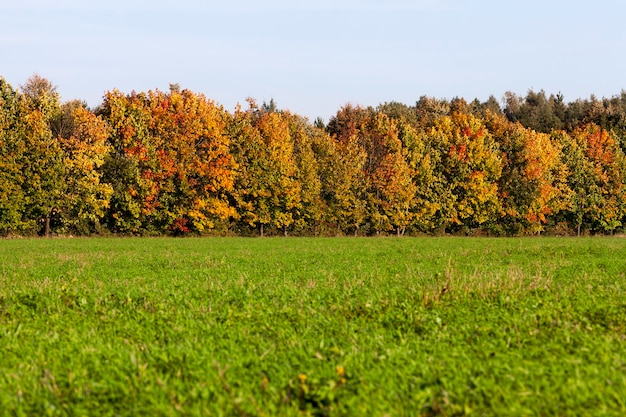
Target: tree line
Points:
(175, 162)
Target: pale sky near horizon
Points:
(312, 57)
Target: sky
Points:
(313, 57)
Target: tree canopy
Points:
(175, 162)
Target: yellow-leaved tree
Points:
(266, 190)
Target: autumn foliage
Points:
(175, 162)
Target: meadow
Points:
(313, 326)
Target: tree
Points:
(429, 109)
(83, 141)
(12, 147)
(41, 95)
(481, 110)
(194, 167)
(309, 214)
(467, 168)
(266, 190)
(51, 154)
(399, 112)
(392, 192)
(396, 193)
(431, 192)
(170, 167)
(342, 158)
(536, 111)
(387, 186)
(533, 184)
(42, 162)
(343, 186)
(125, 166)
(596, 173)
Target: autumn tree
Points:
(266, 190)
(596, 177)
(351, 199)
(12, 147)
(432, 195)
(343, 186)
(533, 184)
(51, 154)
(467, 168)
(42, 163)
(42, 96)
(400, 112)
(386, 177)
(428, 109)
(170, 164)
(392, 190)
(125, 166)
(82, 137)
(309, 213)
(195, 169)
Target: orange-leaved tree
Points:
(170, 166)
(596, 175)
(533, 183)
(392, 192)
(195, 169)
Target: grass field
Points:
(355, 327)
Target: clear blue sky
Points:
(312, 57)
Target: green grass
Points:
(372, 327)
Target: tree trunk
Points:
(261, 230)
(46, 230)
